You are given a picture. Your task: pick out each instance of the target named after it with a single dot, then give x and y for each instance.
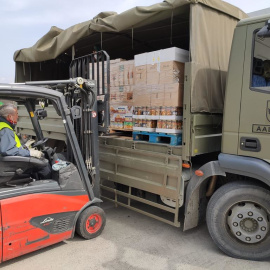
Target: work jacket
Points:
(10, 144)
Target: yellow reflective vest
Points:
(17, 140)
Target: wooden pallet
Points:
(121, 132)
(153, 137)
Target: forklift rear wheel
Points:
(238, 220)
(91, 222)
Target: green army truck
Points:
(221, 171)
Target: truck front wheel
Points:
(238, 220)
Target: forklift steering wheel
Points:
(41, 142)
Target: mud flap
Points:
(195, 197)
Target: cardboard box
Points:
(129, 93)
(143, 100)
(119, 109)
(157, 88)
(157, 99)
(152, 68)
(157, 95)
(168, 77)
(172, 65)
(115, 61)
(113, 97)
(114, 94)
(128, 72)
(172, 99)
(117, 117)
(124, 98)
(131, 74)
(152, 78)
(126, 75)
(117, 125)
(172, 72)
(121, 117)
(113, 75)
(122, 94)
(121, 79)
(121, 72)
(140, 75)
(141, 95)
(174, 95)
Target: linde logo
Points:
(46, 220)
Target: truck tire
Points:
(91, 222)
(238, 220)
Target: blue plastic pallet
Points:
(153, 137)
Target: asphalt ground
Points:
(134, 241)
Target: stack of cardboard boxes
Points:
(147, 92)
(121, 91)
(158, 90)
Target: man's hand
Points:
(29, 143)
(35, 153)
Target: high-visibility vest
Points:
(17, 140)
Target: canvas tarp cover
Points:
(211, 38)
(211, 23)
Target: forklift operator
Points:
(10, 144)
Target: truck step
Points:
(153, 137)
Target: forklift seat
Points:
(12, 167)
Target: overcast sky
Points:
(23, 22)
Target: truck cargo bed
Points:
(140, 168)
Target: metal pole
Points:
(95, 148)
(70, 81)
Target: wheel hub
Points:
(248, 222)
(92, 222)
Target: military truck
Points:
(221, 170)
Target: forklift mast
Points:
(96, 66)
(87, 94)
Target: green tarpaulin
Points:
(204, 27)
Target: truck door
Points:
(254, 128)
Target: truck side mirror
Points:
(265, 31)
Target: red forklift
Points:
(36, 213)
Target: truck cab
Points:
(246, 111)
(238, 212)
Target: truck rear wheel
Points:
(91, 222)
(238, 220)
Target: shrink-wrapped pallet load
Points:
(158, 90)
(121, 94)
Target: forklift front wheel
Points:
(91, 222)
